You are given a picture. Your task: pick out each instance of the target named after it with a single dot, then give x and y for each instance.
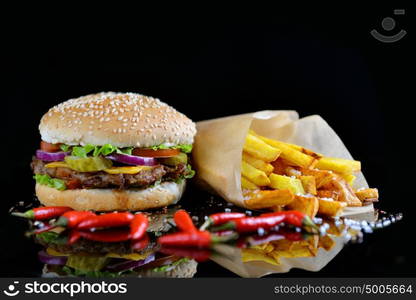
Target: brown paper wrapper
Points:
(217, 158)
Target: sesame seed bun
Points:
(162, 195)
(120, 119)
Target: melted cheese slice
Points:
(57, 164)
(113, 170)
(126, 170)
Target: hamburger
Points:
(113, 151)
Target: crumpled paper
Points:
(217, 158)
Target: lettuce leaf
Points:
(185, 148)
(51, 182)
(107, 149)
(64, 147)
(169, 267)
(189, 172)
(48, 236)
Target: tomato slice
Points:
(155, 153)
(73, 184)
(48, 147)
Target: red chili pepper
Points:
(251, 224)
(184, 221)
(294, 236)
(140, 244)
(106, 220)
(199, 255)
(197, 238)
(138, 226)
(202, 239)
(73, 237)
(293, 217)
(72, 218)
(115, 235)
(43, 213)
(221, 218)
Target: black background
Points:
(314, 61)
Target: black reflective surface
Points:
(359, 238)
(314, 61)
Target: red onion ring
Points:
(131, 264)
(132, 159)
(50, 259)
(51, 156)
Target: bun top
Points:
(120, 119)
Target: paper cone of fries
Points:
(218, 148)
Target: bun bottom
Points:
(162, 195)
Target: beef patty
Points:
(93, 180)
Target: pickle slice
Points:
(181, 158)
(87, 263)
(88, 164)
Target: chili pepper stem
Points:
(224, 238)
(61, 222)
(208, 222)
(226, 226)
(308, 222)
(28, 214)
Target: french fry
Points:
(285, 182)
(277, 208)
(326, 242)
(346, 194)
(247, 184)
(300, 251)
(313, 245)
(307, 205)
(309, 184)
(258, 163)
(266, 199)
(367, 195)
(338, 165)
(330, 208)
(281, 245)
(275, 255)
(305, 150)
(251, 254)
(279, 166)
(266, 247)
(334, 228)
(291, 171)
(256, 176)
(291, 155)
(259, 149)
(322, 177)
(328, 194)
(349, 178)
(302, 172)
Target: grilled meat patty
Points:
(93, 180)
